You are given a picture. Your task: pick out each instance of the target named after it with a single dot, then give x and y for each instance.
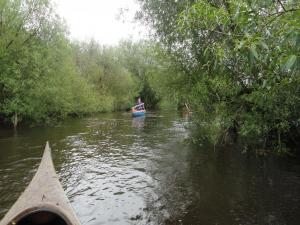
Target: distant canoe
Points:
(137, 113)
(44, 201)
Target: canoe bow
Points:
(44, 195)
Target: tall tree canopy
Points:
(241, 61)
(44, 75)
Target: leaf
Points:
(264, 45)
(290, 62)
(240, 45)
(264, 83)
(253, 50)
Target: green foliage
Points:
(29, 49)
(103, 68)
(153, 70)
(241, 62)
(44, 77)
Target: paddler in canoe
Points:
(139, 108)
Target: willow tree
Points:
(28, 30)
(242, 64)
(102, 67)
(38, 75)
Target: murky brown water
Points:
(120, 170)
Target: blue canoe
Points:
(138, 113)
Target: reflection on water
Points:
(138, 122)
(121, 170)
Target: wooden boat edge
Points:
(46, 198)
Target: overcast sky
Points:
(100, 19)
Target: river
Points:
(119, 170)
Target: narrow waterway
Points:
(119, 170)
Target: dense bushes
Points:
(235, 63)
(44, 76)
(241, 64)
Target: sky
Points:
(101, 20)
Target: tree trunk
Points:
(15, 120)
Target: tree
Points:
(241, 63)
(38, 79)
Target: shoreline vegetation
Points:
(45, 76)
(240, 67)
(235, 64)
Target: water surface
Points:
(120, 170)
